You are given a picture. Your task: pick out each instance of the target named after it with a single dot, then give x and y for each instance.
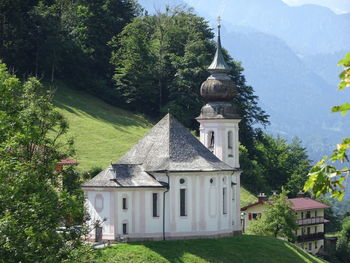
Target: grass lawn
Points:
(102, 133)
(242, 249)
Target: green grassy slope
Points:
(103, 133)
(242, 249)
(247, 198)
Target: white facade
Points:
(211, 208)
(221, 137)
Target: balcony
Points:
(310, 237)
(311, 221)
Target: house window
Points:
(315, 244)
(125, 228)
(308, 214)
(315, 213)
(315, 229)
(256, 215)
(125, 204)
(155, 204)
(302, 215)
(229, 140)
(310, 246)
(183, 202)
(308, 230)
(224, 200)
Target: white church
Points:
(171, 185)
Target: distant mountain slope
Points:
(298, 99)
(325, 65)
(307, 29)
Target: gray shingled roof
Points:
(123, 175)
(170, 146)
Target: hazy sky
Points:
(338, 6)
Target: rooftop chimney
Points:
(262, 197)
(301, 194)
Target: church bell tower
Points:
(219, 118)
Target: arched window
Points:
(183, 197)
(211, 140)
(125, 227)
(224, 200)
(224, 195)
(229, 140)
(125, 202)
(230, 144)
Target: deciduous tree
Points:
(278, 219)
(33, 204)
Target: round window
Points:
(182, 181)
(211, 180)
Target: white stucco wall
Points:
(204, 206)
(221, 128)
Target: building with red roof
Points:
(310, 219)
(64, 162)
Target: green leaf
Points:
(341, 108)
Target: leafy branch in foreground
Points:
(34, 205)
(324, 177)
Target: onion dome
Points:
(219, 86)
(219, 89)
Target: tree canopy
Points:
(274, 164)
(33, 203)
(161, 61)
(64, 39)
(278, 219)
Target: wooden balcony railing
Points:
(311, 221)
(310, 237)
